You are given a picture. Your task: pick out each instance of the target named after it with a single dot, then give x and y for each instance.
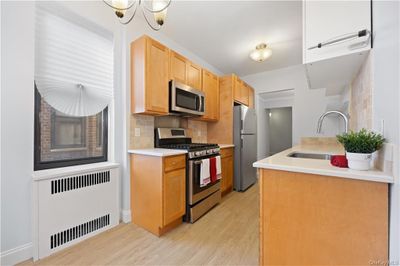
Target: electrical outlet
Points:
(199, 133)
(137, 132)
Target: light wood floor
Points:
(227, 235)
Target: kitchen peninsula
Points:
(313, 213)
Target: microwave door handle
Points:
(201, 103)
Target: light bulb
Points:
(160, 16)
(120, 4)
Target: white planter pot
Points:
(359, 161)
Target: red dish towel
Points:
(213, 169)
(339, 161)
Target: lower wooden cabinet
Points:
(308, 219)
(226, 170)
(173, 196)
(158, 192)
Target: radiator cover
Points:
(71, 207)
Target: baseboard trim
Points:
(16, 255)
(126, 216)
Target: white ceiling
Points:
(224, 32)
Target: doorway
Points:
(279, 129)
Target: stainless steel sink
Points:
(318, 156)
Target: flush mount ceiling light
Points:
(158, 10)
(261, 53)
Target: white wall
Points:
(17, 112)
(386, 98)
(17, 125)
(308, 105)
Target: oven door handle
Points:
(197, 162)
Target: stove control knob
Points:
(197, 153)
(209, 151)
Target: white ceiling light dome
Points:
(261, 53)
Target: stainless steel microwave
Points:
(185, 100)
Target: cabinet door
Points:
(327, 20)
(227, 174)
(156, 91)
(244, 94)
(177, 64)
(193, 75)
(237, 90)
(211, 92)
(251, 97)
(174, 201)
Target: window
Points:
(74, 76)
(62, 140)
(67, 131)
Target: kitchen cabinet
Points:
(241, 92)
(149, 77)
(185, 71)
(251, 97)
(328, 20)
(226, 170)
(177, 67)
(193, 73)
(222, 130)
(158, 191)
(211, 92)
(308, 219)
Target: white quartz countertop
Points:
(157, 152)
(223, 146)
(281, 161)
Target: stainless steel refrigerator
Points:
(245, 140)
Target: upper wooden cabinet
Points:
(251, 97)
(185, 71)
(241, 91)
(329, 20)
(193, 73)
(177, 64)
(211, 91)
(149, 77)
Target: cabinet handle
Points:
(343, 38)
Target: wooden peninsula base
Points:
(309, 219)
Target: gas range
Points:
(199, 199)
(175, 138)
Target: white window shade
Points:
(73, 65)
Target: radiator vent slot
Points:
(73, 233)
(80, 181)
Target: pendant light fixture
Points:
(261, 53)
(156, 8)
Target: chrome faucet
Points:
(346, 120)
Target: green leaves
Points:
(361, 142)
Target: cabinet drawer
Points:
(174, 162)
(226, 152)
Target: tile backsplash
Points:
(361, 98)
(142, 129)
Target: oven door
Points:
(197, 193)
(184, 99)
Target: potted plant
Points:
(359, 147)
